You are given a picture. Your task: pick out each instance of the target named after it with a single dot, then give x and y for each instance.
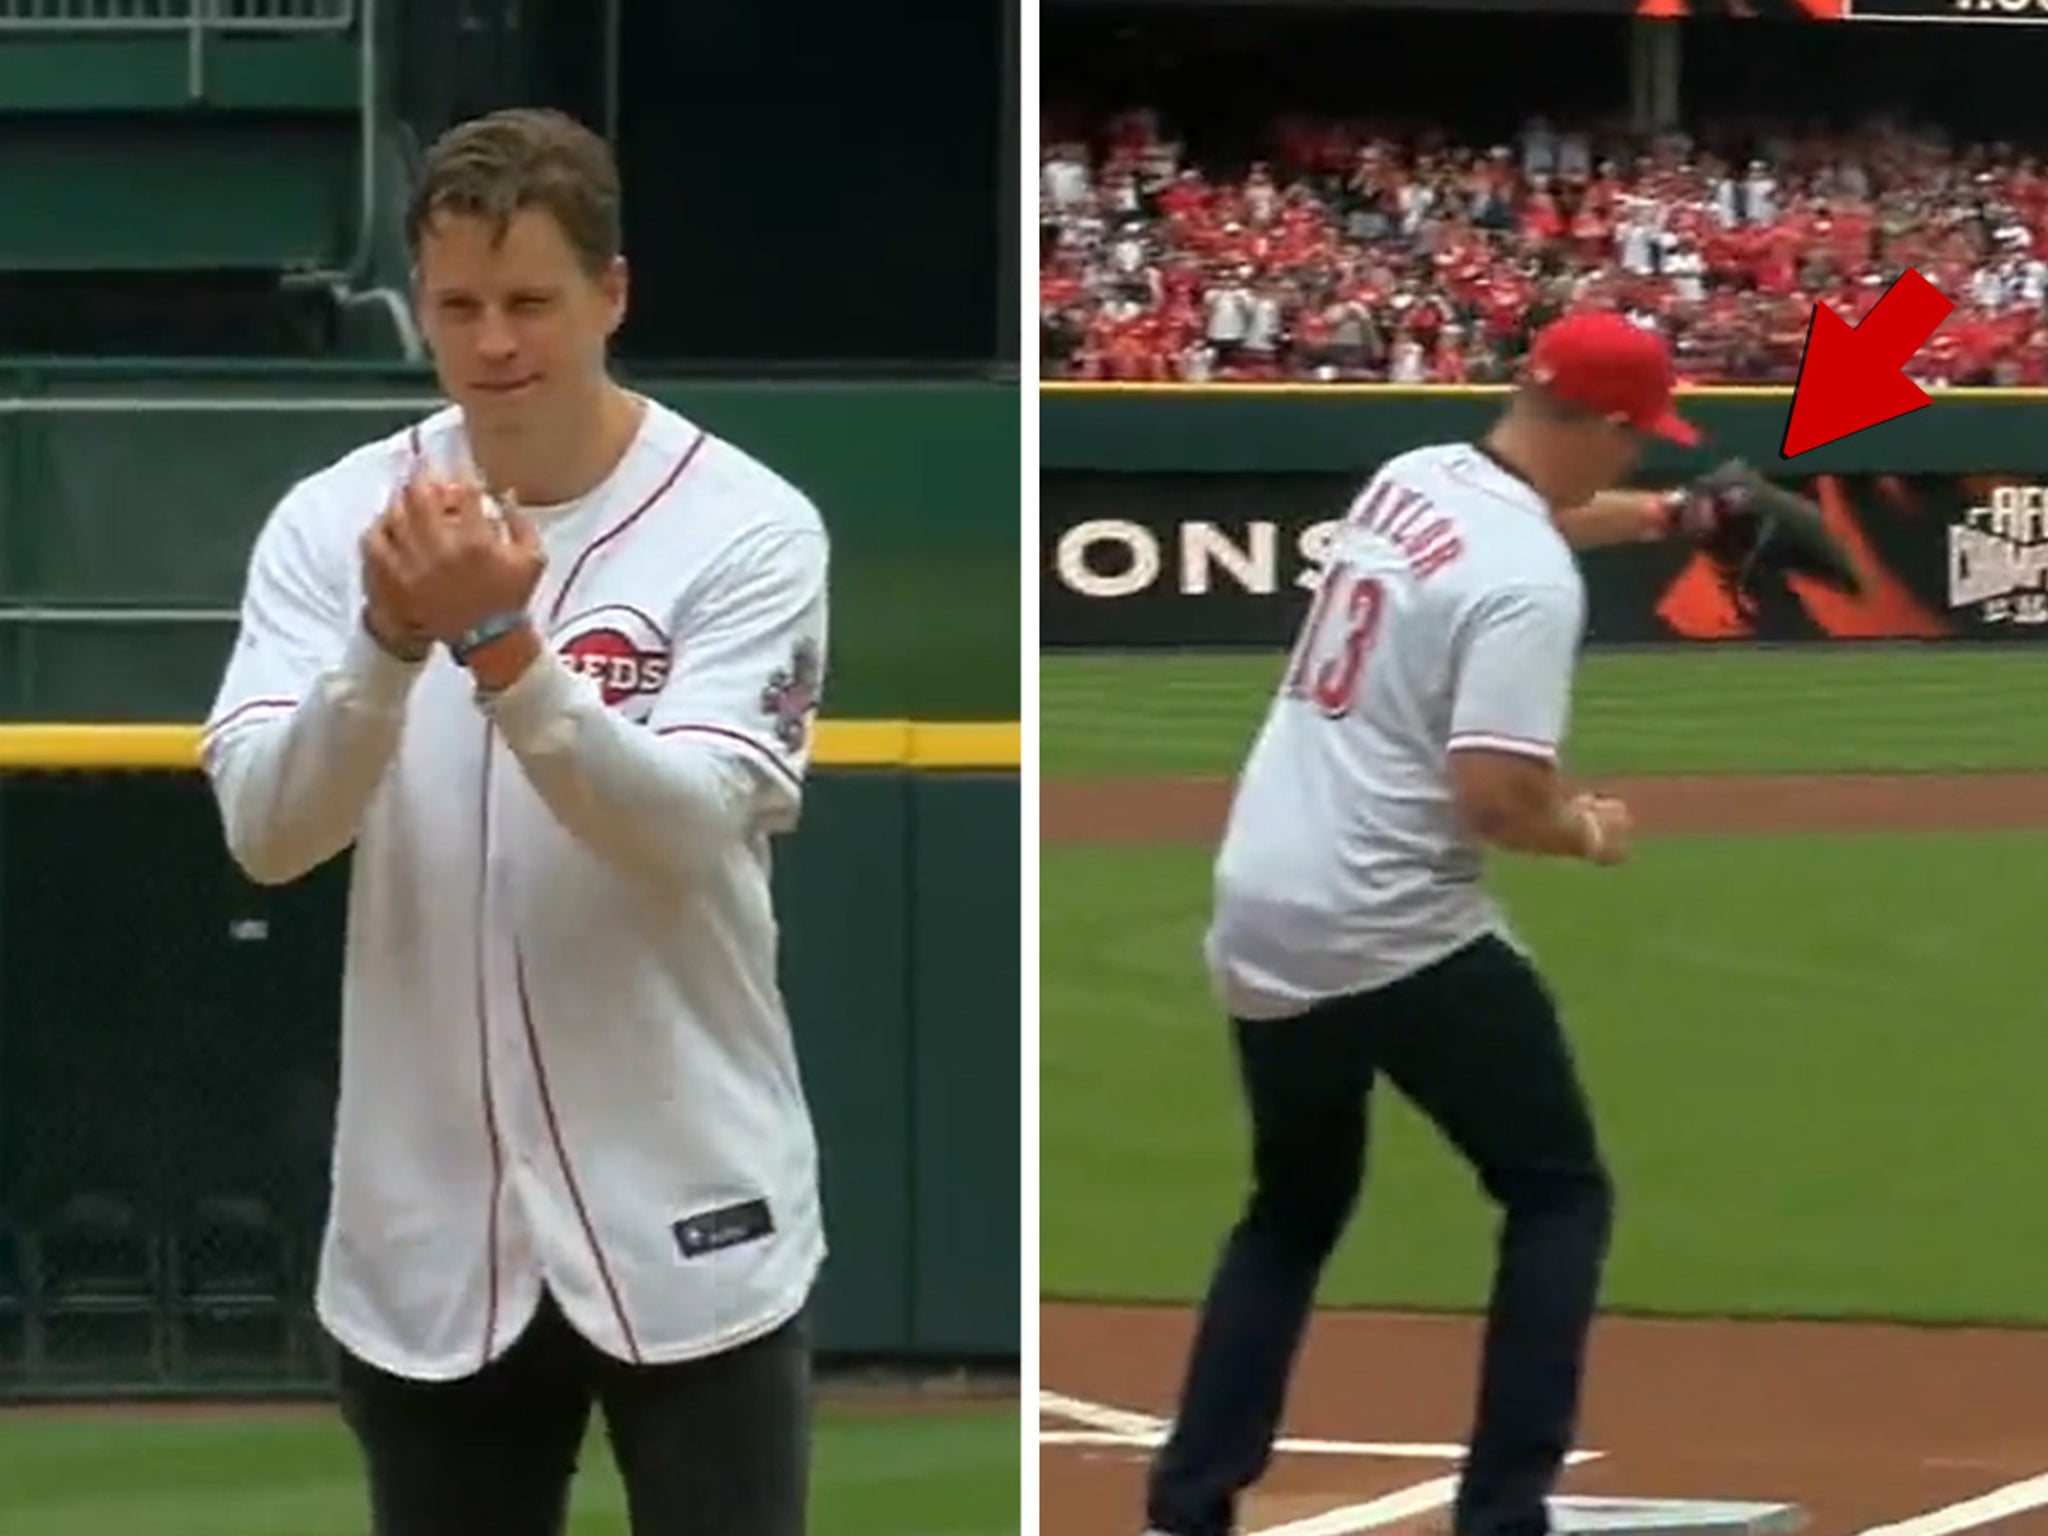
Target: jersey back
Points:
(1449, 616)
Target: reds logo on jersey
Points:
(623, 651)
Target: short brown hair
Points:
(523, 157)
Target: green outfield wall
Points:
(131, 495)
(168, 1045)
(1182, 518)
(168, 1031)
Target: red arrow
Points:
(1850, 379)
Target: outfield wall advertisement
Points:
(1192, 560)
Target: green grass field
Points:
(1712, 710)
(294, 1473)
(1816, 1060)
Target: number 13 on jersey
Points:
(1330, 655)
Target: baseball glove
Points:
(1745, 525)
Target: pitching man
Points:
(1417, 723)
(548, 662)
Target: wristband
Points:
(1670, 509)
(479, 635)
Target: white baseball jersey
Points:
(1449, 615)
(564, 1055)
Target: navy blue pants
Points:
(1474, 1042)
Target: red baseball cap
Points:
(1605, 362)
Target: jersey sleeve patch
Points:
(792, 694)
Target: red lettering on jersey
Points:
(1419, 539)
(622, 651)
(618, 673)
(1328, 668)
(1412, 507)
(1386, 503)
(1427, 560)
(1408, 519)
(1368, 505)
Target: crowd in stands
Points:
(1364, 252)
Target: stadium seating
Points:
(1350, 252)
(148, 1250)
(205, 177)
(236, 1290)
(101, 1298)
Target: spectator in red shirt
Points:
(1457, 248)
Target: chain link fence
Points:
(167, 1069)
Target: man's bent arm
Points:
(1509, 713)
(1617, 517)
(712, 765)
(308, 714)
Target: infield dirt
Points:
(1861, 1425)
(1191, 809)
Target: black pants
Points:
(712, 1447)
(1475, 1043)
